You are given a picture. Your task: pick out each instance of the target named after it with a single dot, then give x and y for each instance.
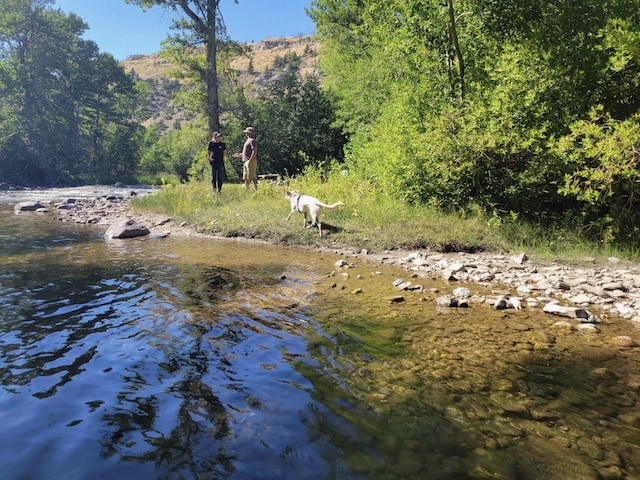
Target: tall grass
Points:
(369, 220)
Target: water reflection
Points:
(156, 360)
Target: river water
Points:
(196, 358)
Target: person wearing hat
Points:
(216, 151)
(249, 159)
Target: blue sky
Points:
(122, 29)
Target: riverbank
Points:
(584, 295)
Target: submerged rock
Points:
(570, 312)
(448, 301)
(28, 207)
(127, 228)
(462, 292)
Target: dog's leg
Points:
(315, 221)
(312, 219)
(291, 213)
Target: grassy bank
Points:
(368, 220)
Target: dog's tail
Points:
(333, 206)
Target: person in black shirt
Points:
(216, 150)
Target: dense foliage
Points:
(67, 112)
(294, 120)
(525, 107)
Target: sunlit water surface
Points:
(197, 358)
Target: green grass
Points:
(369, 220)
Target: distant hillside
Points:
(266, 61)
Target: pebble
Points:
(396, 299)
(462, 292)
(557, 289)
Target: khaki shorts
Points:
(250, 170)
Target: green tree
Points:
(174, 152)
(396, 68)
(476, 115)
(202, 24)
(347, 57)
(605, 175)
(68, 112)
(295, 118)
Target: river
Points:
(194, 358)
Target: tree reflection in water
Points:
(177, 405)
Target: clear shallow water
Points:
(192, 358)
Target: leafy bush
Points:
(175, 152)
(604, 157)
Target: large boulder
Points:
(126, 228)
(28, 207)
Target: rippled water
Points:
(170, 358)
(194, 358)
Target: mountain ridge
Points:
(265, 61)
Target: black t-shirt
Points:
(216, 152)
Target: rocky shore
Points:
(582, 295)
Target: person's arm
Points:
(254, 151)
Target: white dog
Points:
(308, 204)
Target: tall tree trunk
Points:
(210, 41)
(207, 26)
(204, 17)
(453, 37)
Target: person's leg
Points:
(220, 177)
(245, 175)
(253, 173)
(217, 178)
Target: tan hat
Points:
(248, 130)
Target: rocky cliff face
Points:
(265, 61)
